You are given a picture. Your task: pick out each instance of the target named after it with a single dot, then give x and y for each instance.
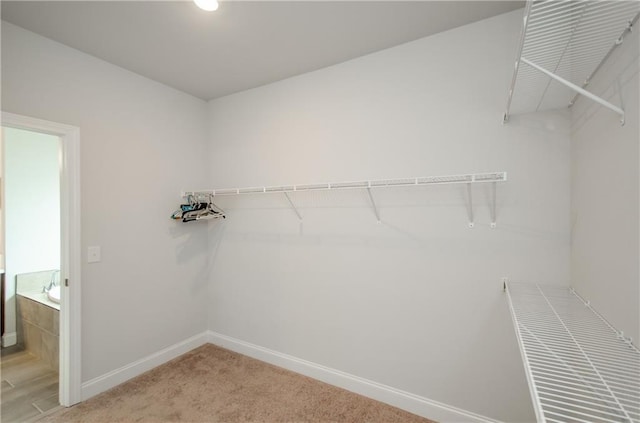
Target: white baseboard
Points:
(413, 403)
(404, 400)
(9, 339)
(115, 377)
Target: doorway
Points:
(67, 276)
(30, 353)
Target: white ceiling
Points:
(244, 44)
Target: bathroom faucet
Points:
(52, 283)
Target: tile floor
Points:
(29, 387)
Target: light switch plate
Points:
(93, 254)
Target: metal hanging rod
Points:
(568, 42)
(579, 368)
(468, 179)
(576, 88)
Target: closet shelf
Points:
(579, 368)
(468, 179)
(566, 41)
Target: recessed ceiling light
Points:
(208, 5)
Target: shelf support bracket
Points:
(619, 87)
(470, 206)
(576, 88)
(493, 205)
(292, 205)
(373, 204)
(523, 31)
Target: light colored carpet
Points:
(211, 384)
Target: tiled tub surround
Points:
(38, 317)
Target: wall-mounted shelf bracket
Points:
(493, 205)
(619, 88)
(470, 214)
(470, 206)
(373, 204)
(523, 32)
(293, 206)
(577, 89)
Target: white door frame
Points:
(70, 252)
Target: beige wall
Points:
(605, 251)
(139, 141)
(415, 302)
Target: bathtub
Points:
(54, 294)
(29, 285)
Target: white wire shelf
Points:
(579, 368)
(563, 44)
(469, 179)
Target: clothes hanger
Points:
(186, 209)
(198, 210)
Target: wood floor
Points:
(29, 387)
